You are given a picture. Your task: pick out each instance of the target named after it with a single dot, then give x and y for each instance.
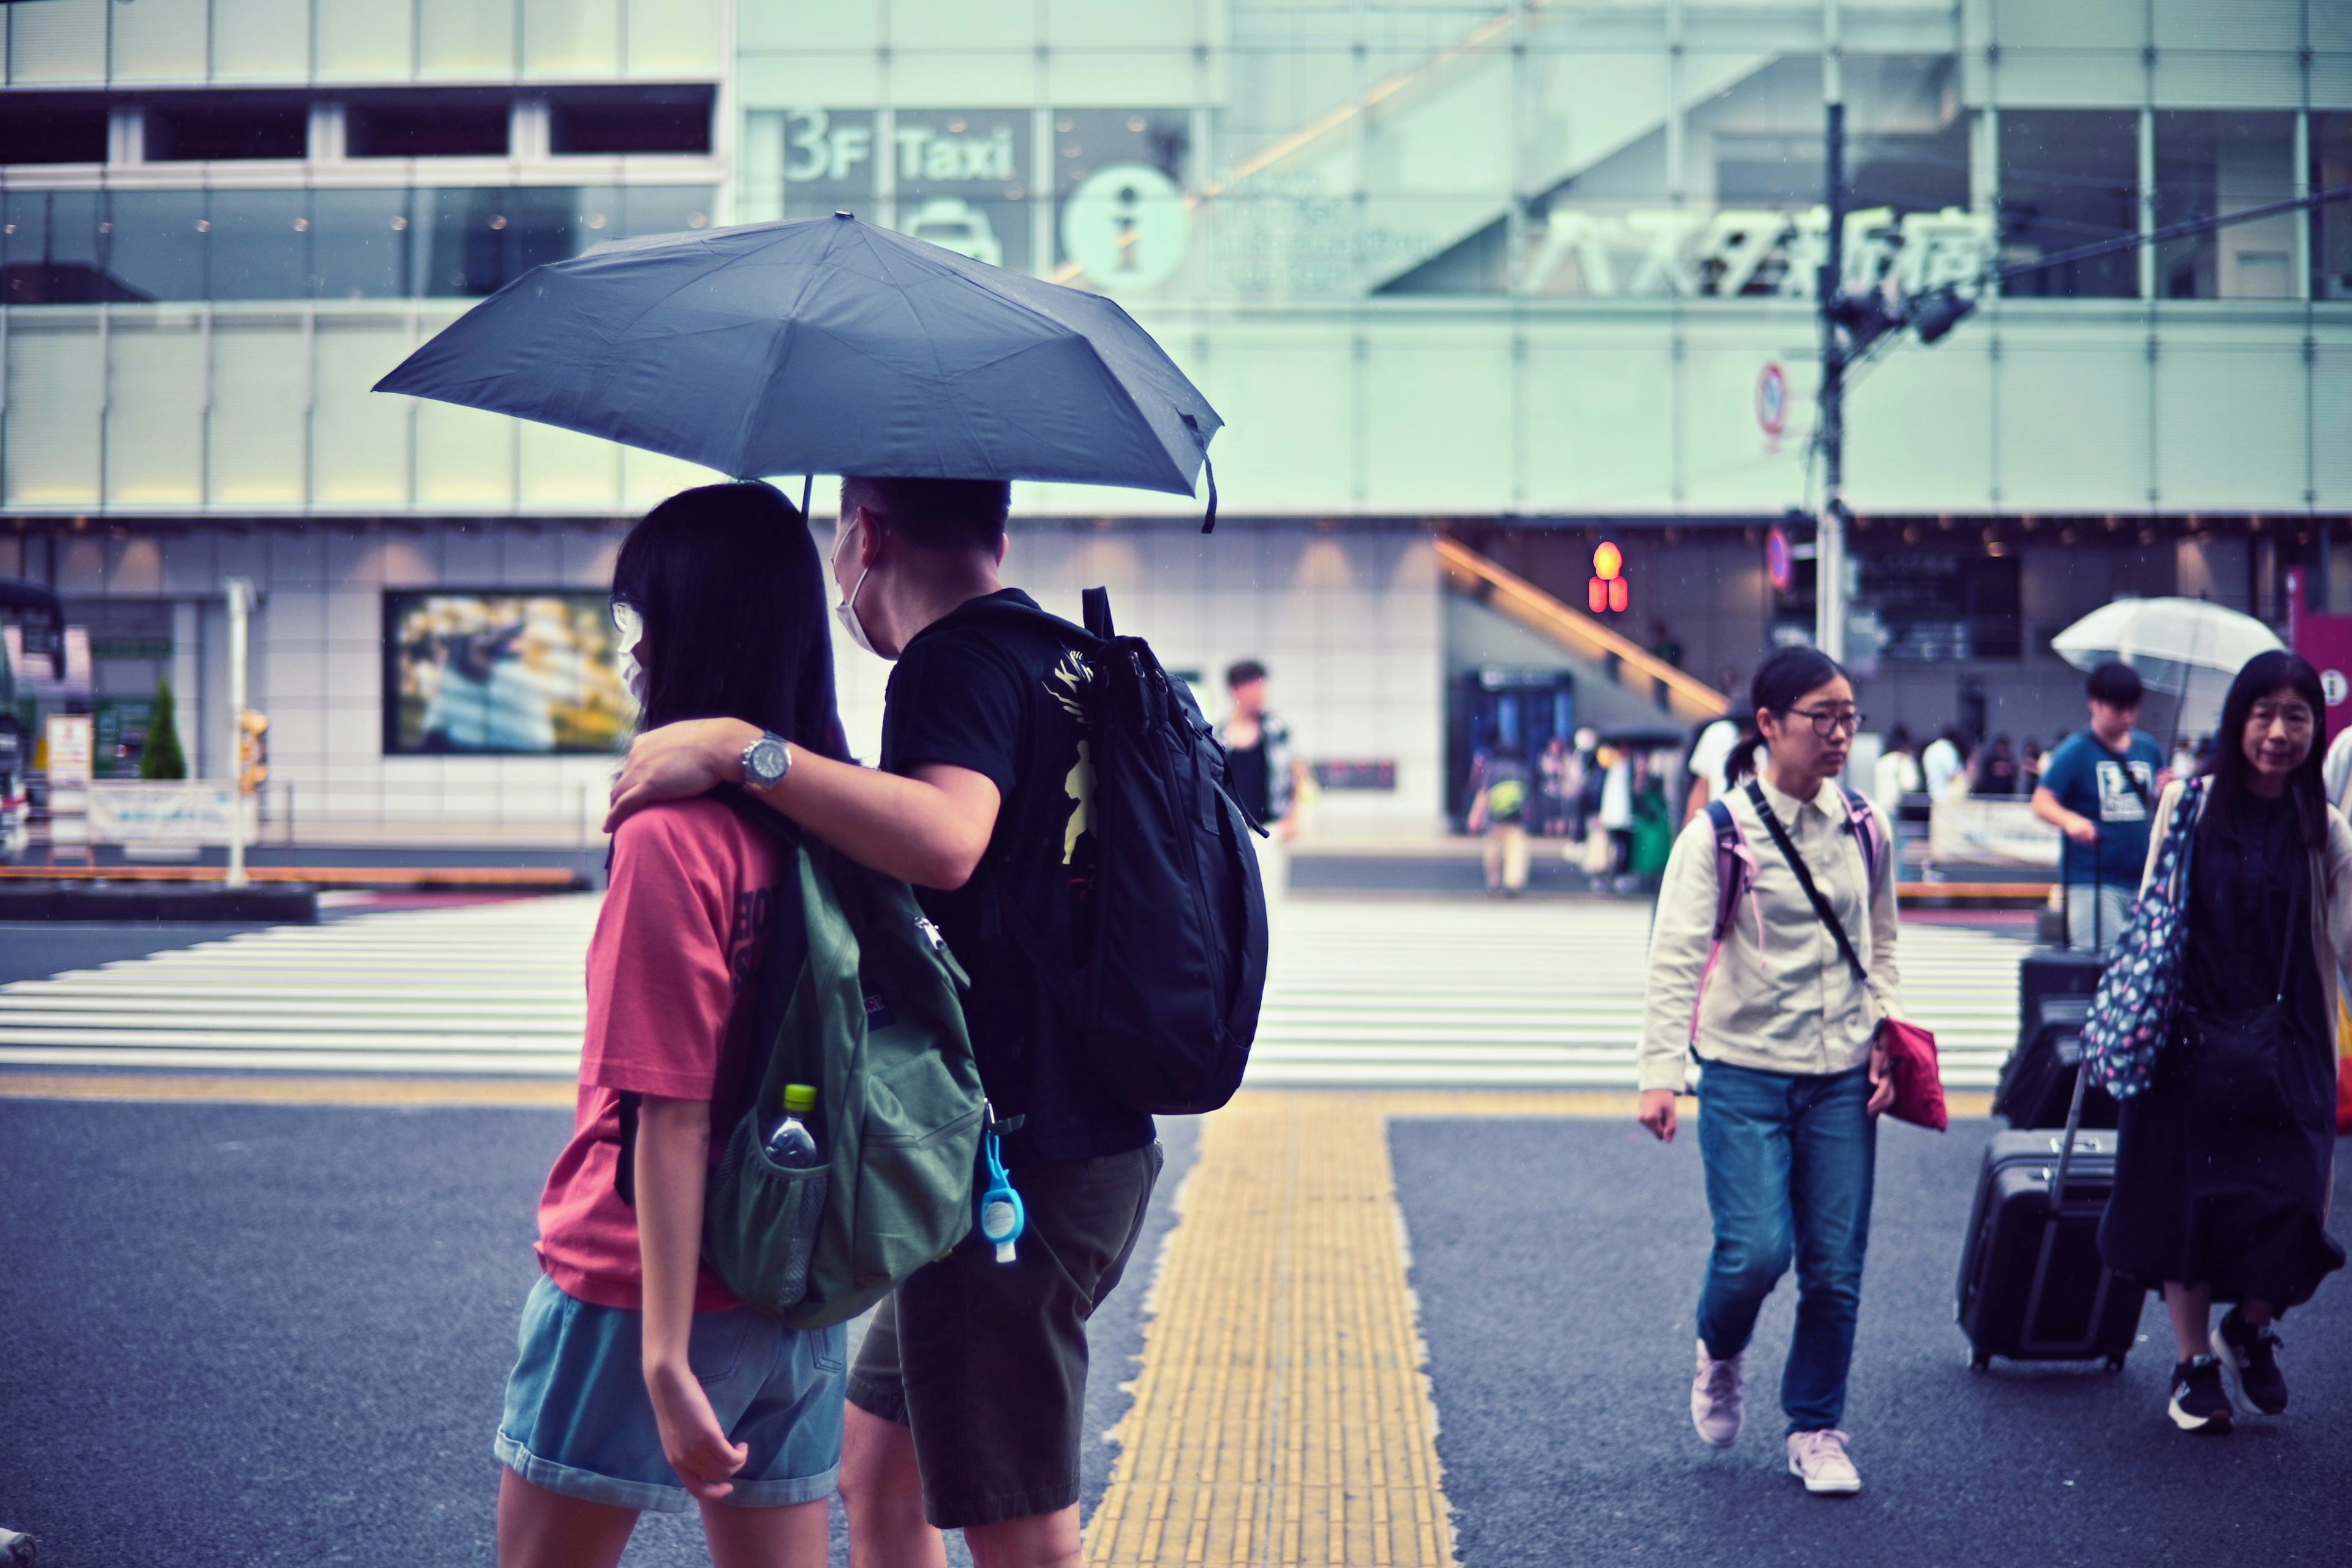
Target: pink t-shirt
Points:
(672, 997)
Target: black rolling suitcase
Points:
(2054, 985)
(2031, 1286)
(2037, 1083)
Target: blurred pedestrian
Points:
(1617, 808)
(1261, 767)
(2028, 768)
(1653, 824)
(1896, 775)
(1944, 765)
(1262, 770)
(1783, 1023)
(2099, 791)
(1996, 770)
(1557, 782)
(1500, 797)
(622, 1398)
(2186, 763)
(1664, 646)
(1708, 754)
(2225, 1163)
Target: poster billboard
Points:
(501, 672)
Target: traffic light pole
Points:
(240, 606)
(1829, 530)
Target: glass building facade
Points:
(1534, 275)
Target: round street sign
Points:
(1126, 225)
(2333, 686)
(1772, 399)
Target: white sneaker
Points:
(1819, 1458)
(1715, 1398)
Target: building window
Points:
(2069, 178)
(2331, 223)
(154, 244)
(182, 130)
(360, 244)
(260, 244)
(2210, 164)
(636, 120)
(50, 249)
(1937, 605)
(32, 131)
(427, 125)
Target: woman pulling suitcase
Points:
(2225, 1162)
(1782, 1019)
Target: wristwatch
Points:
(766, 760)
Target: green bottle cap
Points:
(800, 1098)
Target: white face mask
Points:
(632, 627)
(845, 611)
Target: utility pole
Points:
(240, 608)
(1829, 530)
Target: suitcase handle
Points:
(2051, 1221)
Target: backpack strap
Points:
(1097, 603)
(1862, 818)
(1734, 878)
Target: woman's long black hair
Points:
(2265, 673)
(1782, 682)
(727, 580)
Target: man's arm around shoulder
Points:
(931, 827)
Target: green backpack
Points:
(870, 1015)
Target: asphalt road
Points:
(1558, 1265)
(261, 1335)
(34, 950)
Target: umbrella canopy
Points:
(2186, 648)
(827, 345)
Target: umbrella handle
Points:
(1208, 523)
(808, 483)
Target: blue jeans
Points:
(1789, 1161)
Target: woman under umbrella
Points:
(2224, 1165)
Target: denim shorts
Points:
(578, 1419)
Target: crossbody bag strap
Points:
(1805, 880)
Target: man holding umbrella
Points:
(967, 1401)
(830, 346)
(2099, 790)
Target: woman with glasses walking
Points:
(2223, 1165)
(1777, 981)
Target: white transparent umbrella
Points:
(2188, 649)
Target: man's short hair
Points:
(936, 514)
(2115, 685)
(1245, 672)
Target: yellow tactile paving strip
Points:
(1281, 1415)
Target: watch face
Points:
(766, 763)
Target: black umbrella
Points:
(827, 345)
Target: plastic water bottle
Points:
(789, 1142)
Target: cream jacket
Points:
(2331, 868)
(1781, 999)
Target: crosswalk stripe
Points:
(1373, 992)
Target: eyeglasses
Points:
(1829, 721)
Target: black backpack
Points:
(1160, 961)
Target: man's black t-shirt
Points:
(974, 693)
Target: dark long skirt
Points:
(2240, 1206)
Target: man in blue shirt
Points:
(2099, 790)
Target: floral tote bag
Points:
(2139, 992)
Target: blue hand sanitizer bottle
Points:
(1003, 1216)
